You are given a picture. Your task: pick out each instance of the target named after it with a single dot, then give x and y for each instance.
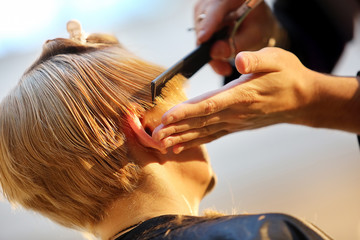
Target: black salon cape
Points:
(236, 227)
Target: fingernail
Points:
(161, 136)
(169, 120)
(246, 63)
(178, 149)
(200, 35)
(168, 143)
(163, 151)
(242, 62)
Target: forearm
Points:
(335, 103)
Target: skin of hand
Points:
(274, 88)
(253, 34)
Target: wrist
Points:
(334, 103)
(305, 94)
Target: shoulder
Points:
(251, 227)
(268, 226)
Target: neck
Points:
(155, 197)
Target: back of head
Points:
(63, 147)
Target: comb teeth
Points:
(187, 66)
(173, 91)
(159, 82)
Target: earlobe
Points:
(144, 138)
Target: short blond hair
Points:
(63, 150)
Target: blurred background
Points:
(313, 174)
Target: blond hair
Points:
(63, 148)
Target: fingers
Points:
(162, 131)
(198, 141)
(206, 104)
(214, 14)
(265, 60)
(220, 50)
(197, 136)
(192, 134)
(221, 67)
(189, 110)
(226, 118)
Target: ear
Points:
(144, 138)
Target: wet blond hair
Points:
(63, 148)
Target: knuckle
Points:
(206, 130)
(219, 134)
(193, 143)
(182, 126)
(171, 130)
(201, 122)
(209, 139)
(247, 97)
(168, 131)
(180, 139)
(212, 137)
(175, 129)
(210, 106)
(255, 62)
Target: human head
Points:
(64, 129)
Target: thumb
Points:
(264, 60)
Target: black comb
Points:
(188, 65)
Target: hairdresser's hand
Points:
(254, 33)
(274, 88)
